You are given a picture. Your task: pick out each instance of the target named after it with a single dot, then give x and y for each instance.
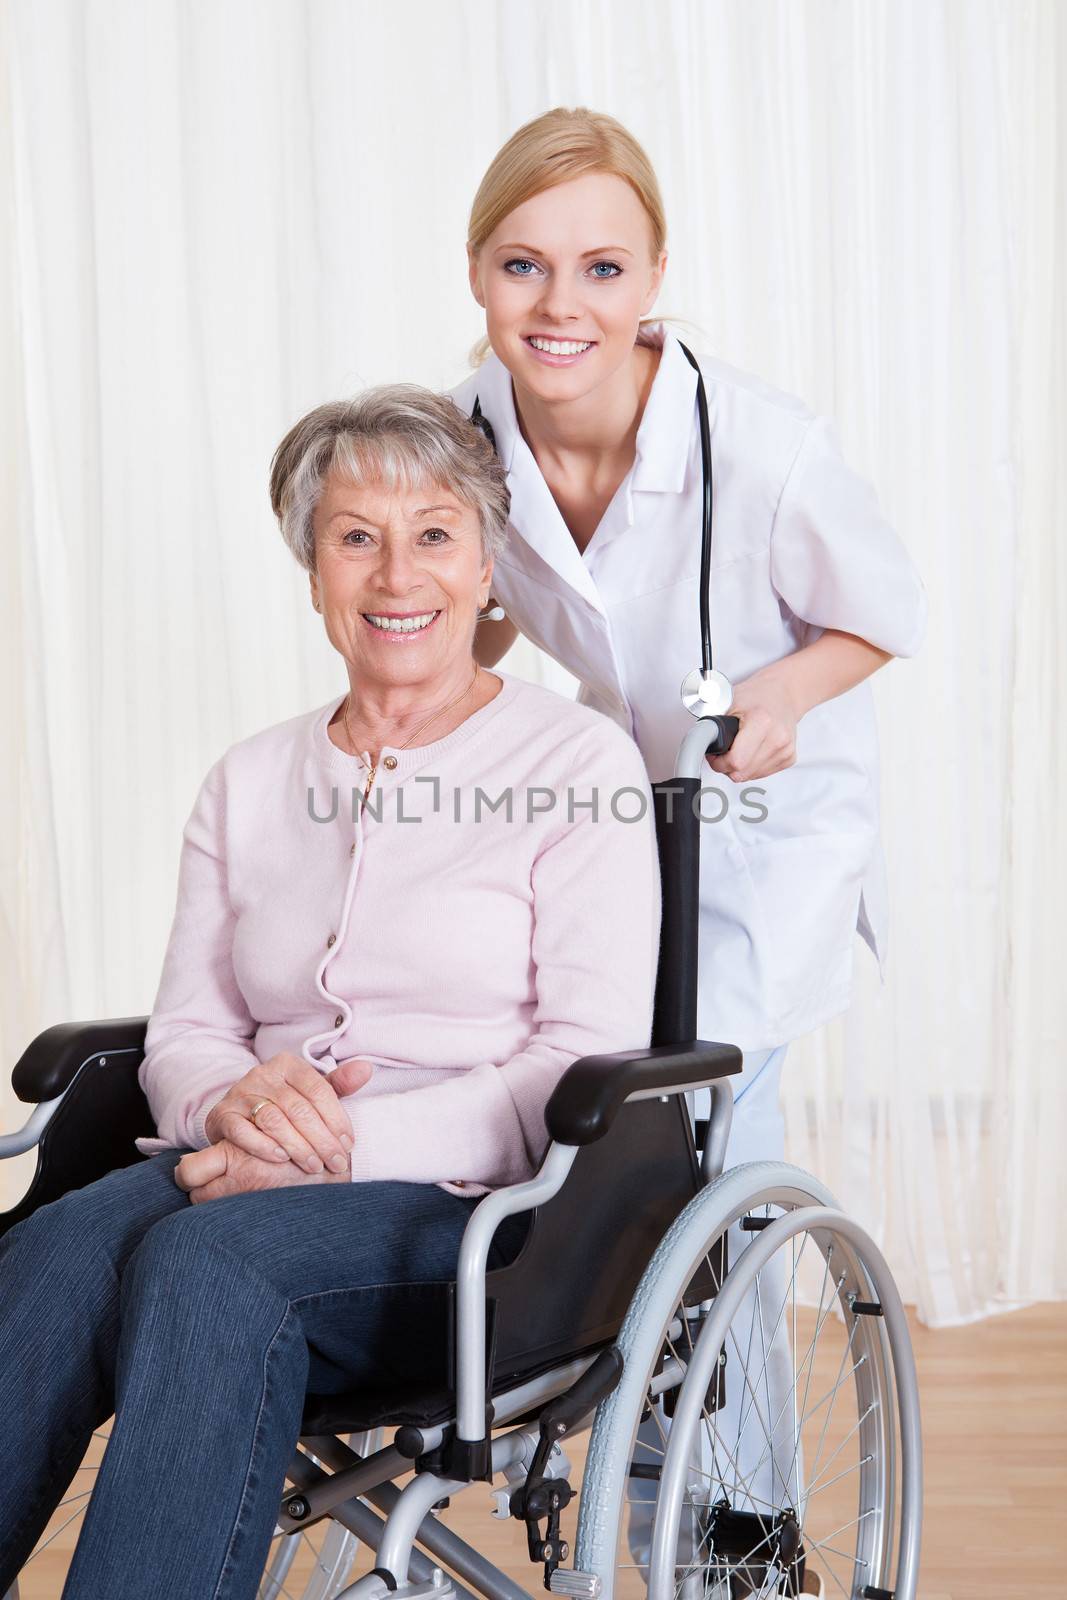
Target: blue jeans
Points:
(201, 1328)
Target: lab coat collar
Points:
(666, 430)
(534, 515)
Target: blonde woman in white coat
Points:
(593, 410)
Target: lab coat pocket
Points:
(809, 891)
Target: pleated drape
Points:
(218, 214)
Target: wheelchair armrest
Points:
(587, 1098)
(49, 1064)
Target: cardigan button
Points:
(390, 762)
(337, 1021)
(352, 851)
(331, 941)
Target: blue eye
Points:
(519, 261)
(613, 270)
(354, 533)
(441, 531)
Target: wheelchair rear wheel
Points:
(778, 1451)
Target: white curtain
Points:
(217, 213)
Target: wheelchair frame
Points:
(542, 1410)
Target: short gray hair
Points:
(399, 435)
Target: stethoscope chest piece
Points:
(707, 694)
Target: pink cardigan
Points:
(469, 954)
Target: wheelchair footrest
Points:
(575, 1585)
(541, 1498)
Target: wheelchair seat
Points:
(564, 1295)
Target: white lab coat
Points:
(799, 545)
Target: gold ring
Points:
(258, 1107)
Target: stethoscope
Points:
(706, 692)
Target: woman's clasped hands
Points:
(302, 1133)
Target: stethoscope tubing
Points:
(706, 513)
(707, 505)
(701, 679)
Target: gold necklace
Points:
(414, 735)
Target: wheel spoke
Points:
(748, 1385)
(807, 1369)
(793, 1347)
(715, 1478)
(829, 1569)
(659, 1424)
(802, 1414)
(69, 1499)
(838, 1380)
(777, 1494)
(57, 1531)
(812, 1489)
(766, 1371)
(743, 1561)
(821, 1317)
(755, 1498)
(694, 1563)
(845, 1555)
(270, 1582)
(851, 1373)
(714, 1440)
(809, 1414)
(855, 1467)
(278, 1588)
(809, 1357)
(750, 1400)
(781, 1409)
(742, 1482)
(817, 1544)
(743, 1417)
(768, 1436)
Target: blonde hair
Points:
(553, 148)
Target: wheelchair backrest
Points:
(569, 1288)
(571, 1284)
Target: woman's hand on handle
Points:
(766, 741)
(303, 1122)
(773, 700)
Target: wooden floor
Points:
(994, 1402)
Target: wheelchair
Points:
(621, 1326)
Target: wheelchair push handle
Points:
(726, 733)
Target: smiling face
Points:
(564, 280)
(400, 576)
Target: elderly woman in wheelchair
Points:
(416, 1165)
